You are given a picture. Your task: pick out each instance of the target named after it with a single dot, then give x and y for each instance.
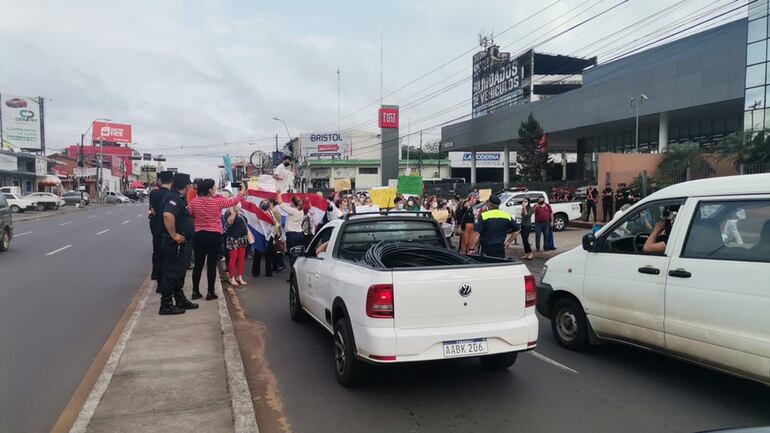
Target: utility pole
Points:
(419, 163)
(276, 143)
(339, 117)
(439, 160)
(636, 104)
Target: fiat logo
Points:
(465, 290)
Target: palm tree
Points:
(745, 148)
(678, 158)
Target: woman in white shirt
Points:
(294, 216)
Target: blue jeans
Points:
(541, 228)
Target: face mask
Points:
(410, 204)
(540, 202)
(264, 206)
(286, 164)
(435, 205)
(400, 206)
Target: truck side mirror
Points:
(589, 242)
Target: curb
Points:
(100, 387)
(244, 418)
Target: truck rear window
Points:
(357, 237)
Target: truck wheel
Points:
(569, 324)
(5, 241)
(295, 306)
(347, 368)
(560, 222)
(501, 361)
(41, 207)
(15, 208)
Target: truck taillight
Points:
(379, 301)
(530, 291)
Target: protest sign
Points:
(441, 215)
(367, 209)
(383, 197)
(484, 194)
(342, 184)
(410, 185)
(266, 183)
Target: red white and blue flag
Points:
(262, 223)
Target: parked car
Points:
(703, 296)
(18, 204)
(134, 194)
(115, 197)
(563, 213)
(46, 200)
(6, 224)
(11, 190)
(386, 315)
(75, 197)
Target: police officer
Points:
(176, 247)
(157, 202)
(493, 226)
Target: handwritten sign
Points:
(383, 197)
(484, 194)
(342, 184)
(440, 215)
(410, 185)
(367, 209)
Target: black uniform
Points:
(607, 197)
(493, 226)
(176, 257)
(157, 203)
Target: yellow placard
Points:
(342, 184)
(484, 194)
(441, 215)
(383, 197)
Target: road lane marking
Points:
(58, 250)
(548, 360)
(22, 234)
(126, 222)
(65, 223)
(102, 232)
(92, 216)
(109, 212)
(139, 216)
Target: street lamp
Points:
(284, 125)
(636, 104)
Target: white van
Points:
(705, 297)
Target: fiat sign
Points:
(112, 132)
(388, 118)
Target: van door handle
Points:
(649, 270)
(679, 273)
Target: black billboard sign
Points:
(147, 156)
(499, 81)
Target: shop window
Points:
(757, 29)
(368, 170)
(755, 75)
(756, 52)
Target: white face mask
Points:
(435, 206)
(400, 206)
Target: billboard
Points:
(326, 144)
(483, 159)
(388, 118)
(21, 122)
(112, 132)
(499, 81)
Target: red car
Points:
(16, 103)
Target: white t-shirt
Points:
(286, 183)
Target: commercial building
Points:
(693, 91)
(27, 171)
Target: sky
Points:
(199, 79)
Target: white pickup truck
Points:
(404, 313)
(563, 213)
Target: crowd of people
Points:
(195, 225)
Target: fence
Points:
(649, 182)
(463, 189)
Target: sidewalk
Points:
(564, 240)
(172, 374)
(34, 215)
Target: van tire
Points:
(295, 306)
(348, 369)
(569, 324)
(500, 361)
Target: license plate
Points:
(458, 348)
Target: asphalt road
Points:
(64, 284)
(609, 389)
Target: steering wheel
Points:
(638, 242)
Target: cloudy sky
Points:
(199, 79)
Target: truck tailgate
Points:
(435, 297)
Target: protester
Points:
(591, 195)
(543, 222)
(398, 203)
(157, 200)
(284, 175)
(621, 196)
(236, 240)
(294, 235)
(493, 227)
(526, 228)
(607, 206)
(466, 219)
(176, 248)
(206, 209)
(279, 242)
(269, 253)
(412, 204)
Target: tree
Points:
(533, 157)
(745, 148)
(681, 156)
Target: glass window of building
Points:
(755, 75)
(757, 29)
(754, 119)
(757, 9)
(756, 52)
(755, 98)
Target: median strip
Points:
(58, 250)
(102, 232)
(548, 360)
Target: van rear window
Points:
(357, 237)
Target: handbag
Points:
(279, 246)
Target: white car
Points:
(115, 197)
(563, 213)
(18, 204)
(46, 200)
(386, 315)
(700, 292)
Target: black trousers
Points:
(496, 250)
(207, 246)
(590, 205)
(607, 210)
(525, 231)
(175, 258)
(269, 255)
(157, 262)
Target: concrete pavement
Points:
(65, 283)
(172, 373)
